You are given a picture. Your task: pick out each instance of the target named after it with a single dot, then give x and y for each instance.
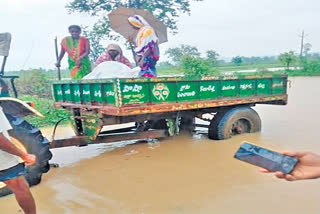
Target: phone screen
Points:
(265, 158)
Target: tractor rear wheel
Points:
(235, 121)
(30, 139)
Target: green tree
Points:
(96, 49)
(212, 56)
(237, 60)
(288, 58)
(167, 11)
(176, 54)
(195, 66)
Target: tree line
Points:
(177, 54)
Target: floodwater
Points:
(184, 174)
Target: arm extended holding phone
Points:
(290, 166)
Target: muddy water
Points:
(190, 175)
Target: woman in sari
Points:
(78, 49)
(113, 53)
(147, 49)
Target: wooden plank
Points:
(83, 140)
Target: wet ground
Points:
(189, 175)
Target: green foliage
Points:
(212, 56)
(237, 60)
(34, 82)
(287, 58)
(46, 107)
(176, 54)
(35, 85)
(196, 66)
(96, 49)
(168, 11)
(310, 66)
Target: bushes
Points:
(310, 66)
(37, 82)
(46, 107)
(306, 68)
(34, 82)
(196, 66)
(35, 85)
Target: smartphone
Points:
(273, 161)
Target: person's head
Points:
(137, 21)
(114, 51)
(75, 31)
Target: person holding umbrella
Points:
(147, 49)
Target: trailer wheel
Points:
(236, 121)
(28, 138)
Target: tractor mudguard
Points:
(17, 107)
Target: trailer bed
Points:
(124, 97)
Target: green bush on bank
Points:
(34, 82)
(35, 85)
(306, 68)
(46, 107)
(310, 66)
(196, 66)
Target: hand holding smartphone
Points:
(270, 160)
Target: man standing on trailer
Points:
(12, 168)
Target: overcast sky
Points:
(231, 27)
